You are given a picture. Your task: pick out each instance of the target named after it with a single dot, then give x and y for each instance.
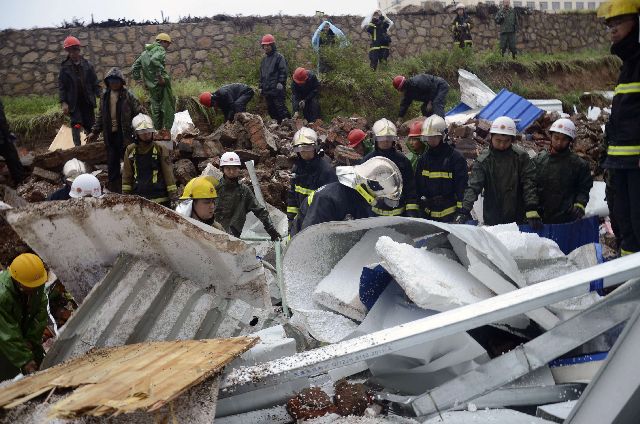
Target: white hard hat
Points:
(504, 125)
(433, 125)
(384, 127)
(85, 185)
(564, 126)
(142, 123)
(72, 168)
(460, 6)
(381, 176)
(304, 137)
(230, 159)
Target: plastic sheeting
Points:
(340, 37)
(183, 125)
(473, 92)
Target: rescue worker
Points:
(506, 177)
(149, 68)
(72, 168)
(359, 143)
(230, 98)
(623, 128)
(8, 149)
(235, 200)
(461, 28)
(508, 21)
(380, 39)
(359, 188)
(305, 94)
(414, 143)
(310, 171)
(563, 178)
(441, 173)
(85, 185)
(385, 137)
(78, 88)
(326, 39)
(117, 108)
(273, 77)
(199, 201)
(23, 316)
(147, 170)
(430, 90)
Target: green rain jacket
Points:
(507, 19)
(150, 64)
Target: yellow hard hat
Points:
(163, 36)
(614, 8)
(28, 270)
(200, 188)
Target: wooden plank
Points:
(113, 381)
(64, 139)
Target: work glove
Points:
(462, 217)
(274, 234)
(534, 220)
(577, 212)
(301, 104)
(92, 137)
(279, 86)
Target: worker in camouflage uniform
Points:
(8, 149)
(563, 178)
(23, 316)
(506, 177)
(508, 21)
(150, 68)
(461, 28)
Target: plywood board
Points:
(64, 139)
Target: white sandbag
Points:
(597, 205)
(183, 125)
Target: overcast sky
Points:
(50, 13)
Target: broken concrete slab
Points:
(43, 174)
(93, 154)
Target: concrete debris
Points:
(36, 190)
(310, 403)
(92, 154)
(184, 170)
(348, 400)
(43, 174)
(525, 246)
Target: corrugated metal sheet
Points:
(506, 103)
(459, 108)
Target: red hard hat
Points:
(416, 129)
(268, 39)
(71, 41)
(300, 75)
(398, 82)
(205, 99)
(355, 137)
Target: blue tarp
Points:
(506, 103)
(459, 108)
(373, 281)
(572, 235)
(340, 37)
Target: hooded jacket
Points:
(273, 71)
(69, 81)
(235, 200)
(150, 64)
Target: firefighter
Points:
(430, 90)
(441, 173)
(72, 168)
(508, 21)
(414, 143)
(563, 178)
(230, 98)
(147, 170)
(623, 128)
(23, 316)
(273, 79)
(78, 89)
(310, 171)
(305, 94)
(359, 188)
(235, 200)
(150, 69)
(385, 137)
(358, 141)
(506, 177)
(8, 149)
(461, 28)
(199, 201)
(380, 39)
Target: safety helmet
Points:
(459, 6)
(433, 125)
(398, 82)
(564, 126)
(205, 99)
(163, 36)
(28, 270)
(142, 123)
(504, 125)
(384, 130)
(614, 8)
(300, 75)
(72, 168)
(71, 41)
(200, 188)
(230, 159)
(85, 185)
(304, 139)
(416, 129)
(268, 39)
(356, 137)
(381, 176)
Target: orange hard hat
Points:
(355, 137)
(268, 39)
(416, 129)
(398, 82)
(71, 41)
(205, 99)
(300, 75)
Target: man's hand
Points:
(462, 217)
(92, 137)
(273, 233)
(577, 212)
(279, 86)
(65, 108)
(301, 104)
(30, 367)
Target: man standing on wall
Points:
(508, 21)
(273, 77)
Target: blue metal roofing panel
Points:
(506, 103)
(459, 108)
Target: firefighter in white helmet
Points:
(385, 136)
(563, 178)
(235, 200)
(310, 171)
(359, 188)
(441, 173)
(72, 168)
(506, 177)
(147, 169)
